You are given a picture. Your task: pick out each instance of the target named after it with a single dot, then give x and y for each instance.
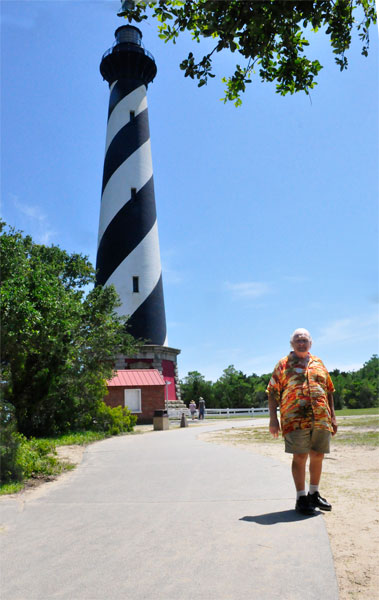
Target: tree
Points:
(58, 344)
(270, 36)
(370, 369)
(357, 389)
(193, 386)
(340, 380)
(9, 443)
(360, 394)
(232, 389)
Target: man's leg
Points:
(298, 470)
(298, 473)
(315, 466)
(315, 470)
(298, 444)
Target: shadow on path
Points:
(283, 516)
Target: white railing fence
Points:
(176, 413)
(228, 412)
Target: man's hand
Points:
(273, 401)
(331, 406)
(274, 427)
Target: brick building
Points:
(141, 390)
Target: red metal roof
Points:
(136, 377)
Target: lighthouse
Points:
(128, 254)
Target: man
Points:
(302, 388)
(201, 408)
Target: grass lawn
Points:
(79, 438)
(345, 412)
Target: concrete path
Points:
(166, 516)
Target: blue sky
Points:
(267, 213)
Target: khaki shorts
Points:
(301, 441)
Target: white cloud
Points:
(353, 329)
(248, 289)
(34, 221)
(344, 366)
(259, 364)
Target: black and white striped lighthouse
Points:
(128, 253)
(128, 247)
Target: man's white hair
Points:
(301, 331)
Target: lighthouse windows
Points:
(135, 285)
(132, 115)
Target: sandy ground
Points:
(350, 483)
(71, 454)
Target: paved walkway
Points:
(166, 516)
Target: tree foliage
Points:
(58, 344)
(234, 389)
(270, 37)
(357, 389)
(10, 470)
(193, 386)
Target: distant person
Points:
(192, 407)
(201, 408)
(302, 388)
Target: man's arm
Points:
(273, 402)
(333, 414)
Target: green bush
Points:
(36, 457)
(9, 444)
(113, 420)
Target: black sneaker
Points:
(304, 506)
(316, 501)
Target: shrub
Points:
(113, 420)
(36, 457)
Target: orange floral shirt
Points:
(302, 393)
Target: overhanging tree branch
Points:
(270, 33)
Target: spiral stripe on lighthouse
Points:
(135, 101)
(120, 89)
(126, 141)
(116, 194)
(136, 217)
(142, 256)
(150, 317)
(128, 245)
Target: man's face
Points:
(301, 345)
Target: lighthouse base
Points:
(162, 358)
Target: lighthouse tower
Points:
(128, 246)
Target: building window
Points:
(133, 192)
(135, 285)
(132, 115)
(132, 400)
